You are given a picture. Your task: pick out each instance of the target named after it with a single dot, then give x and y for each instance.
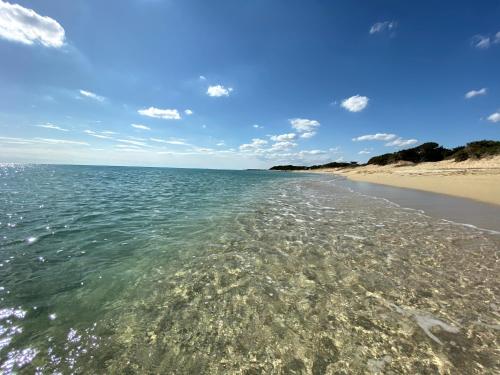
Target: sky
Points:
(243, 83)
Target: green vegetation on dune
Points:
(426, 152)
(432, 152)
(304, 168)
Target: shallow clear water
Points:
(145, 270)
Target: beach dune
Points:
(473, 179)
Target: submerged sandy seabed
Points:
(321, 281)
(473, 179)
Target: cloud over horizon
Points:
(400, 142)
(375, 137)
(393, 139)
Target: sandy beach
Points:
(473, 179)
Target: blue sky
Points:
(243, 84)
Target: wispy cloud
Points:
(39, 140)
(375, 137)
(91, 95)
(485, 41)
(400, 142)
(165, 114)
(473, 93)
(171, 141)
(218, 91)
(383, 26)
(131, 142)
(24, 25)
(52, 126)
(61, 141)
(494, 117)
(364, 152)
(141, 127)
(283, 137)
(188, 112)
(481, 41)
(101, 135)
(355, 103)
(257, 126)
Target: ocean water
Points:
(171, 271)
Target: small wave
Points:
(490, 231)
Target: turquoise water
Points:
(148, 270)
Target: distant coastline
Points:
(471, 171)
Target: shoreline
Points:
(478, 180)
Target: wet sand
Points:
(473, 179)
(458, 210)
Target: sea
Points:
(125, 270)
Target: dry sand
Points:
(473, 179)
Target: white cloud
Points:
(393, 138)
(166, 114)
(218, 90)
(221, 143)
(52, 126)
(171, 141)
(188, 112)
(481, 41)
(307, 135)
(139, 126)
(256, 144)
(497, 38)
(383, 26)
(91, 95)
(494, 117)
(257, 126)
(364, 152)
(303, 125)
(61, 141)
(282, 146)
(130, 142)
(312, 152)
(355, 103)
(375, 137)
(24, 25)
(283, 137)
(102, 135)
(474, 93)
(203, 78)
(402, 142)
